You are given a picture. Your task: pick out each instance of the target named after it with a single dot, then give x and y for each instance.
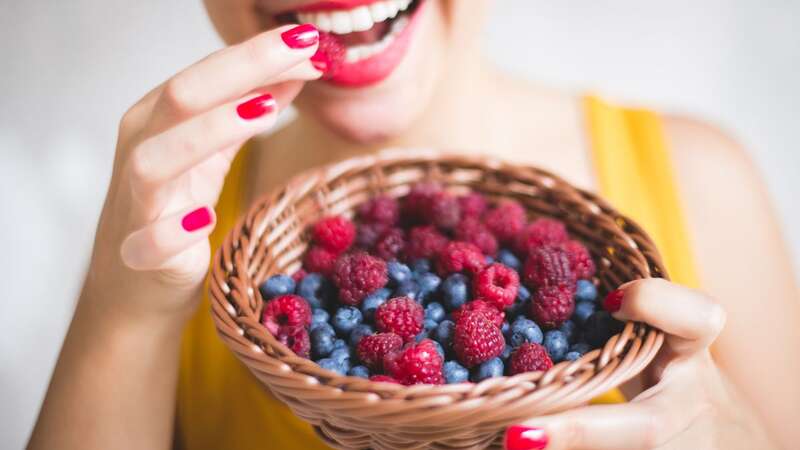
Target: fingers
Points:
(234, 71)
(150, 247)
(691, 319)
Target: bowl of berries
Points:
(415, 299)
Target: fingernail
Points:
(256, 107)
(196, 219)
(613, 301)
(519, 437)
(301, 36)
(320, 61)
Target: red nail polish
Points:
(256, 107)
(196, 219)
(320, 61)
(301, 36)
(613, 301)
(519, 437)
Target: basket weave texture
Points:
(355, 413)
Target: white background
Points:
(68, 69)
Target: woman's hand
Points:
(175, 147)
(689, 404)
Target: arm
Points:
(115, 382)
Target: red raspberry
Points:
(296, 339)
(540, 232)
(299, 275)
(415, 364)
(473, 204)
(530, 357)
(460, 256)
(580, 260)
(490, 312)
(384, 379)
(334, 233)
(476, 339)
(369, 233)
(553, 305)
(497, 285)
(371, 349)
(445, 211)
(424, 242)
(319, 260)
(380, 209)
(401, 316)
(416, 206)
(358, 274)
(505, 220)
(290, 311)
(391, 244)
(332, 51)
(548, 265)
(475, 232)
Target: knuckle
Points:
(255, 51)
(140, 165)
(574, 432)
(177, 94)
(717, 317)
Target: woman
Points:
(411, 76)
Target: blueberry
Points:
(319, 317)
(421, 266)
(322, 342)
(505, 328)
(580, 347)
(341, 355)
(330, 364)
(439, 348)
(339, 343)
(359, 332)
(525, 330)
(398, 272)
(521, 303)
(345, 319)
(556, 344)
(455, 289)
(509, 259)
(408, 289)
(358, 371)
(506, 352)
(317, 290)
(429, 324)
(585, 291)
(435, 312)
(454, 372)
(373, 301)
(599, 327)
(328, 329)
(424, 334)
(277, 285)
(428, 283)
(491, 368)
(443, 333)
(489, 260)
(583, 310)
(569, 330)
(572, 356)
(523, 294)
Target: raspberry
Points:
(496, 284)
(424, 242)
(334, 233)
(505, 220)
(530, 358)
(459, 256)
(296, 338)
(477, 339)
(416, 207)
(553, 305)
(358, 274)
(390, 244)
(580, 260)
(332, 51)
(540, 232)
(286, 311)
(415, 364)
(472, 204)
(490, 312)
(445, 211)
(380, 209)
(473, 231)
(372, 349)
(383, 379)
(401, 316)
(299, 275)
(369, 233)
(319, 260)
(548, 266)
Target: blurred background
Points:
(71, 68)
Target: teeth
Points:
(359, 52)
(361, 18)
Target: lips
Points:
(370, 39)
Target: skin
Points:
(712, 387)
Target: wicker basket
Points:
(355, 413)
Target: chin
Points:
(389, 69)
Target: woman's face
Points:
(395, 54)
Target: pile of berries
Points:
(437, 288)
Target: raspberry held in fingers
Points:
(196, 219)
(301, 36)
(256, 107)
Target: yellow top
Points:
(222, 406)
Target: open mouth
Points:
(374, 36)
